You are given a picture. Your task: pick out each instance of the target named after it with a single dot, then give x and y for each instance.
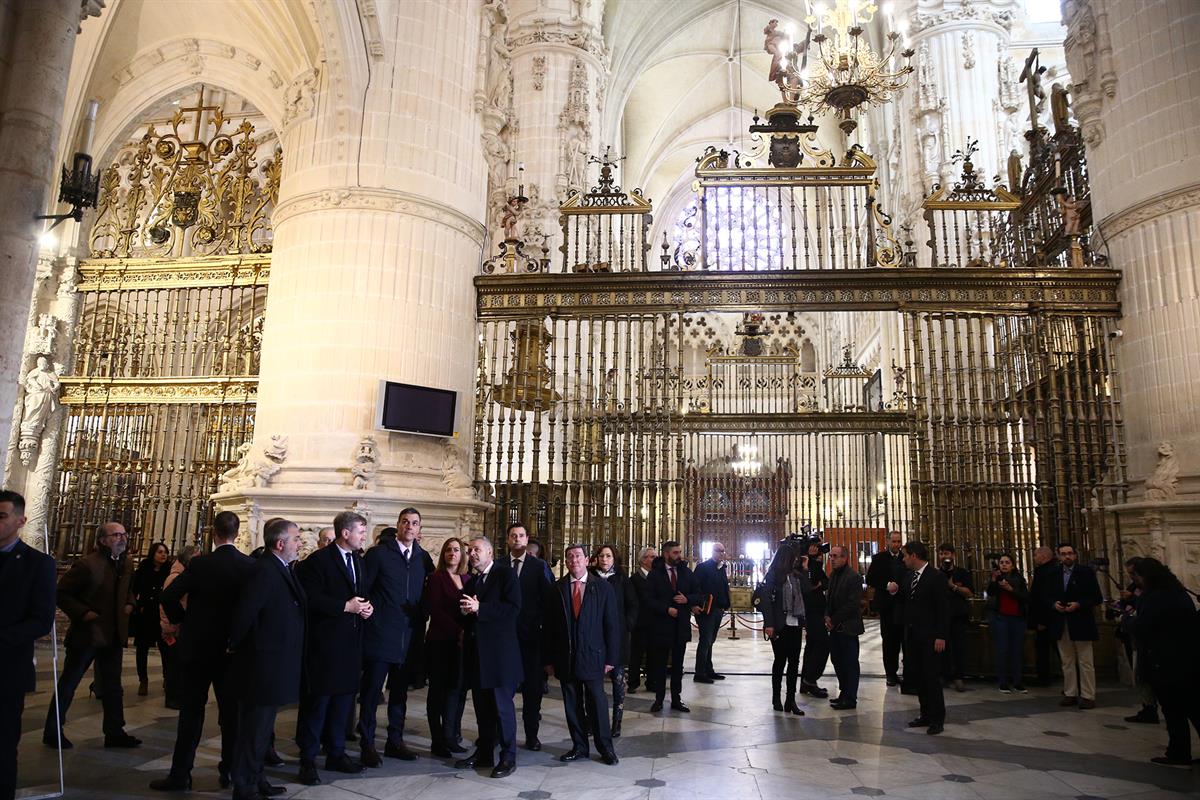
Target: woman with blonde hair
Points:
(443, 650)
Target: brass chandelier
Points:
(848, 71)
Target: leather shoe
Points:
(574, 754)
(717, 676)
(677, 705)
(172, 784)
(399, 750)
(472, 761)
(1085, 704)
(654, 707)
(308, 774)
(437, 751)
(273, 759)
(270, 790)
(456, 748)
(122, 739)
(50, 741)
(838, 705)
(344, 764)
(892, 680)
(812, 690)
(504, 769)
(534, 745)
(935, 728)
(1068, 701)
(610, 758)
(370, 756)
(700, 679)
(919, 722)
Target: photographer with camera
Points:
(1007, 601)
(961, 588)
(816, 651)
(782, 606)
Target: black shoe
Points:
(270, 790)
(344, 764)
(400, 751)
(533, 744)
(717, 676)
(892, 680)
(919, 722)
(935, 728)
(272, 758)
(351, 736)
(1148, 715)
(504, 769)
(655, 707)
(437, 751)
(791, 707)
(610, 758)
(574, 754)
(223, 780)
(51, 741)
(677, 705)
(308, 774)
(1171, 761)
(370, 757)
(776, 703)
(631, 690)
(122, 739)
(699, 679)
(472, 761)
(172, 784)
(813, 690)
(838, 704)
(456, 748)
(171, 704)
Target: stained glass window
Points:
(744, 232)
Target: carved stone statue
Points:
(1162, 483)
(366, 464)
(1060, 109)
(575, 162)
(1015, 172)
(41, 400)
(454, 473)
(274, 455)
(255, 472)
(499, 74)
(1072, 211)
(231, 479)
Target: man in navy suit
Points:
(1073, 593)
(673, 596)
(535, 580)
(924, 597)
(491, 657)
(583, 644)
(211, 585)
(26, 615)
(395, 572)
(714, 602)
(337, 610)
(266, 638)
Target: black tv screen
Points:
(416, 409)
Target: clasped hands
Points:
(468, 604)
(1066, 608)
(360, 606)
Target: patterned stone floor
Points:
(1008, 747)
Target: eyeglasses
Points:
(121, 535)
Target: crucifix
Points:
(199, 108)
(1031, 76)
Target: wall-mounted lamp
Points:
(79, 187)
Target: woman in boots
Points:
(608, 566)
(147, 630)
(783, 613)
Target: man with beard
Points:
(672, 593)
(535, 581)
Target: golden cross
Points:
(199, 108)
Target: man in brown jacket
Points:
(94, 593)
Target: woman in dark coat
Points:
(443, 650)
(1007, 607)
(608, 566)
(147, 629)
(782, 608)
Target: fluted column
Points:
(1136, 87)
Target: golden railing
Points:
(605, 229)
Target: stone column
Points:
(1136, 95)
(378, 234)
(35, 58)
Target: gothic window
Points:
(744, 232)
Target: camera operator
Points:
(961, 589)
(783, 608)
(1126, 607)
(816, 649)
(1007, 597)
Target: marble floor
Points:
(1008, 747)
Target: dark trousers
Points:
(446, 696)
(195, 680)
(256, 729)
(1043, 645)
(954, 657)
(142, 659)
(786, 647)
(660, 654)
(892, 633)
(496, 716)
(75, 666)
(323, 720)
(637, 658)
(843, 651)
(816, 652)
(12, 704)
(586, 705)
(373, 676)
(531, 687)
(1180, 704)
(1009, 633)
(619, 677)
(923, 673)
(709, 625)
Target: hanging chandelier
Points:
(847, 71)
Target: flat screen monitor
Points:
(416, 409)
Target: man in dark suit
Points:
(266, 638)
(961, 587)
(26, 615)
(491, 657)
(714, 602)
(816, 646)
(923, 595)
(1073, 594)
(536, 581)
(95, 594)
(1039, 615)
(641, 628)
(843, 620)
(887, 566)
(673, 595)
(395, 572)
(211, 585)
(332, 583)
(583, 644)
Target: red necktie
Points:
(674, 581)
(576, 597)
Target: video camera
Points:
(993, 560)
(805, 538)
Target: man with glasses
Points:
(843, 620)
(714, 602)
(94, 594)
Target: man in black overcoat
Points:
(26, 615)
(713, 585)
(535, 579)
(887, 566)
(1039, 614)
(673, 596)
(332, 580)
(583, 644)
(211, 584)
(641, 628)
(491, 657)
(1073, 594)
(923, 594)
(266, 638)
(395, 573)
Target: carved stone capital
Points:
(1182, 199)
(353, 198)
